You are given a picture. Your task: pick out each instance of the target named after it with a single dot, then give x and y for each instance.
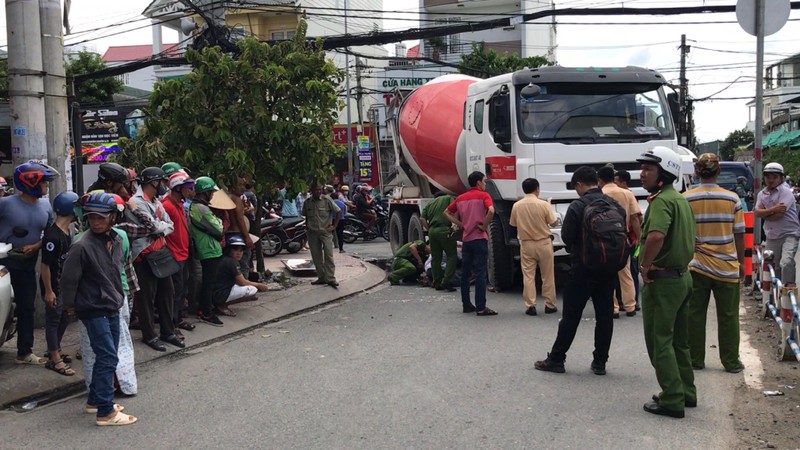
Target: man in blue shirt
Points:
(289, 204)
(342, 208)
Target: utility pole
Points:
(25, 83)
(55, 89)
(347, 99)
(683, 103)
(359, 93)
(759, 132)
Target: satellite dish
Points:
(188, 26)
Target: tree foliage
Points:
(267, 113)
(789, 158)
(92, 92)
(4, 76)
(483, 63)
(735, 140)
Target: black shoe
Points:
(210, 319)
(392, 282)
(549, 310)
(655, 408)
(318, 281)
(686, 403)
(469, 309)
(638, 308)
(156, 345)
(616, 315)
(449, 287)
(631, 313)
(439, 288)
(531, 311)
(174, 340)
(698, 366)
(598, 369)
(736, 369)
(334, 284)
(548, 365)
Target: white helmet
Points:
(774, 167)
(663, 157)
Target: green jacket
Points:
(205, 230)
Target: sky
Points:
(721, 63)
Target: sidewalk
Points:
(20, 383)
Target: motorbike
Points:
(278, 233)
(8, 324)
(355, 228)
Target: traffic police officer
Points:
(667, 248)
(318, 210)
(442, 239)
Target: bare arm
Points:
(49, 295)
(487, 220)
(636, 227)
(739, 239)
(774, 213)
(453, 217)
(416, 255)
(242, 281)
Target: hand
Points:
(30, 248)
(330, 228)
(261, 287)
(646, 273)
(779, 208)
(482, 227)
(50, 299)
(71, 312)
(741, 273)
(420, 265)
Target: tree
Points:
(4, 77)
(735, 140)
(267, 113)
(92, 92)
(483, 63)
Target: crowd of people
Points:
(136, 250)
(685, 248)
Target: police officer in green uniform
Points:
(318, 211)
(667, 247)
(409, 261)
(442, 239)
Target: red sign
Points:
(502, 167)
(340, 133)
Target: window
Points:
(479, 116)
(282, 35)
(452, 43)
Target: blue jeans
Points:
(104, 338)
(474, 254)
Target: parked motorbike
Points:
(8, 323)
(278, 233)
(355, 228)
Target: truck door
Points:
(501, 162)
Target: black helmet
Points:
(152, 174)
(112, 172)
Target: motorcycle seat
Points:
(292, 221)
(271, 222)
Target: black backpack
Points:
(604, 236)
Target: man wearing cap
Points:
(205, 229)
(318, 211)
(154, 291)
(775, 204)
(668, 236)
(718, 264)
(181, 186)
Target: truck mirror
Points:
(674, 106)
(500, 118)
(530, 91)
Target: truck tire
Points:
(398, 230)
(501, 260)
(415, 230)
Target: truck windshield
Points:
(589, 112)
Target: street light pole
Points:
(347, 99)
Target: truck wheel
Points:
(415, 230)
(501, 260)
(398, 230)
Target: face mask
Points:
(161, 190)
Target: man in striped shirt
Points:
(717, 265)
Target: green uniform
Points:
(442, 240)
(318, 213)
(665, 301)
(404, 265)
(205, 228)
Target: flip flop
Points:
(119, 419)
(31, 359)
(93, 409)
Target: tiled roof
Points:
(125, 53)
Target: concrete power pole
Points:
(684, 94)
(25, 82)
(55, 89)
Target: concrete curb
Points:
(250, 317)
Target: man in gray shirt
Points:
(776, 205)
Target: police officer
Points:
(442, 240)
(318, 211)
(667, 248)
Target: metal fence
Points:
(778, 303)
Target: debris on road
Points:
(772, 393)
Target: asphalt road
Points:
(399, 367)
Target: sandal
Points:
(53, 365)
(119, 419)
(486, 312)
(88, 409)
(184, 325)
(66, 358)
(224, 311)
(31, 359)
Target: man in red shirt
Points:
(473, 211)
(181, 186)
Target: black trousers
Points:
(180, 286)
(340, 234)
(154, 293)
(204, 298)
(582, 286)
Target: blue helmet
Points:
(235, 240)
(100, 203)
(28, 176)
(64, 203)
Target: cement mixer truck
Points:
(542, 123)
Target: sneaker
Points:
(548, 365)
(210, 319)
(598, 368)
